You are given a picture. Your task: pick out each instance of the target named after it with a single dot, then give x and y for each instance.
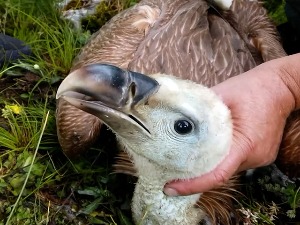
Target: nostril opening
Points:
(133, 89)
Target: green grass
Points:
(33, 168)
(276, 11)
(104, 11)
(269, 202)
(38, 184)
(53, 41)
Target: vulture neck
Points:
(150, 206)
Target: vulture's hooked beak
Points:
(110, 93)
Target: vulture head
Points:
(179, 127)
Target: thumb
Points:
(218, 177)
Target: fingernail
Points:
(170, 192)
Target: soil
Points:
(12, 87)
(17, 88)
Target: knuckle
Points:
(245, 145)
(268, 160)
(221, 177)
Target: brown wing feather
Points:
(196, 45)
(288, 159)
(76, 130)
(124, 164)
(220, 203)
(117, 41)
(253, 24)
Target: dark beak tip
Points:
(108, 84)
(143, 86)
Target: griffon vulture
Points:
(205, 42)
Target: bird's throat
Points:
(152, 207)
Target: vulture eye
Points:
(183, 126)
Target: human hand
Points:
(260, 100)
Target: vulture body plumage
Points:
(206, 42)
(189, 39)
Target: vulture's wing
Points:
(189, 39)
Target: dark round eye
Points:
(183, 127)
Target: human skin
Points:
(260, 101)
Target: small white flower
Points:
(36, 66)
(291, 213)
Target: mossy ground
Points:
(38, 184)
